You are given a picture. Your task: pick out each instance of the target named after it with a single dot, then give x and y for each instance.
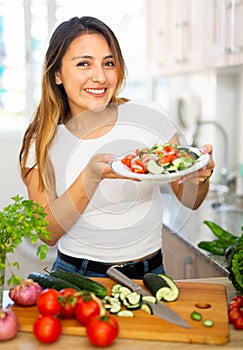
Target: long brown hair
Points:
(53, 108)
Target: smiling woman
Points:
(34, 21)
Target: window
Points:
(25, 28)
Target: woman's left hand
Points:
(202, 175)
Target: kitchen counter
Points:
(188, 224)
(28, 342)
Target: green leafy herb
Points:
(23, 219)
(235, 264)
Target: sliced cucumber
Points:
(133, 306)
(115, 288)
(149, 298)
(154, 168)
(147, 308)
(115, 308)
(123, 292)
(133, 298)
(196, 316)
(125, 313)
(182, 163)
(208, 323)
(161, 286)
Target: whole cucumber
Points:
(47, 281)
(84, 283)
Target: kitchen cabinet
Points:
(175, 33)
(186, 36)
(224, 32)
(182, 261)
(158, 43)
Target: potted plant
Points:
(22, 219)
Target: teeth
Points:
(95, 91)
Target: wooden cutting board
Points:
(193, 296)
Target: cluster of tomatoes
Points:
(235, 312)
(53, 305)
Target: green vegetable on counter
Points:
(235, 264)
(222, 234)
(215, 247)
(223, 241)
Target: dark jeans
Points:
(83, 270)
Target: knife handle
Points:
(118, 276)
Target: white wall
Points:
(11, 182)
(10, 185)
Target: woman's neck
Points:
(91, 125)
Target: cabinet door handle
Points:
(234, 48)
(180, 26)
(187, 260)
(225, 5)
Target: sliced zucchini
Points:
(125, 313)
(147, 308)
(115, 308)
(162, 286)
(133, 298)
(133, 307)
(149, 298)
(115, 288)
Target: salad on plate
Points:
(160, 159)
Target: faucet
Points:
(193, 133)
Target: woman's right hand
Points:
(99, 167)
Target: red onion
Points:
(8, 324)
(25, 293)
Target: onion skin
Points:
(25, 293)
(8, 324)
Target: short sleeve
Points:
(31, 158)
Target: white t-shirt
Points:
(123, 220)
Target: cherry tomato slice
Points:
(128, 159)
(138, 167)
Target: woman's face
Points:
(88, 73)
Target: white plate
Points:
(121, 169)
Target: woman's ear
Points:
(57, 78)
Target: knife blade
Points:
(159, 309)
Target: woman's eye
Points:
(110, 64)
(82, 64)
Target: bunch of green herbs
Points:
(23, 219)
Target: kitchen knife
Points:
(159, 309)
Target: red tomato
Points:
(137, 166)
(47, 329)
(167, 148)
(86, 307)
(168, 158)
(234, 314)
(238, 323)
(47, 302)
(102, 331)
(233, 304)
(128, 159)
(238, 299)
(67, 300)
